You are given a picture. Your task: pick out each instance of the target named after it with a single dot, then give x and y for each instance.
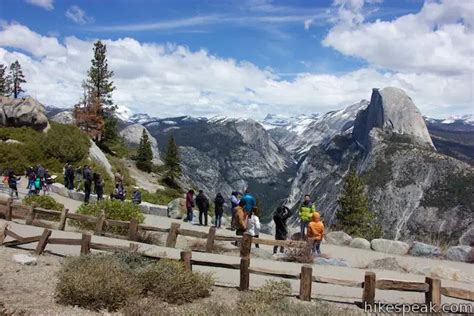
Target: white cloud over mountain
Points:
(168, 79)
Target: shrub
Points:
(66, 143)
(114, 209)
(44, 201)
(161, 197)
(169, 281)
(95, 282)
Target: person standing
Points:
(48, 181)
(250, 202)
(234, 202)
(306, 211)
(202, 203)
(79, 173)
(69, 176)
(253, 225)
(13, 183)
(189, 205)
(219, 209)
(316, 232)
(281, 232)
(240, 223)
(87, 174)
(98, 186)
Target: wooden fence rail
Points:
(431, 287)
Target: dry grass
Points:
(300, 254)
(200, 245)
(152, 238)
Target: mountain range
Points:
(418, 170)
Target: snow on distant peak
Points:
(123, 113)
(296, 124)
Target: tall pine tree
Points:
(354, 215)
(99, 77)
(4, 81)
(144, 153)
(172, 161)
(16, 78)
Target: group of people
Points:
(39, 179)
(83, 177)
(245, 218)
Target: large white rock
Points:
(99, 157)
(460, 253)
(391, 109)
(60, 189)
(132, 135)
(25, 260)
(23, 112)
(177, 208)
(360, 243)
(467, 239)
(338, 238)
(420, 249)
(390, 246)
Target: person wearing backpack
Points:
(253, 225)
(281, 232)
(202, 203)
(219, 209)
(13, 183)
(250, 202)
(305, 213)
(240, 222)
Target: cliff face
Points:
(132, 135)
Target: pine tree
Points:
(354, 215)
(172, 160)
(144, 153)
(4, 81)
(16, 78)
(99, 77)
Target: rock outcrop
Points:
(390, 246)
(338, 238)
(360, 243)
(64, 117)
(391, 109)
(23, 112)
(132, 135)
(419, 249)
(99, 157)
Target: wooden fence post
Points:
(210, 239)
(173, 235)
(246, 245)
(306, 282)
(186, 259)
(244, 274)
(133, 230)
(433, 296)
(86, 244)
(3, 230)
(42, 242)
(368, 296)
(31, 215)
(62, 219)
(9, 211)
(100, 224)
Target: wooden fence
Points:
(431, 287)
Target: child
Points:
(253, 224)
(12, 183)
(316, 232)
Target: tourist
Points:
(189, 205)
(202, 203)
(47, 182)
(240, 224)
(234, 202)
(253, 224)
(38, 184)
(305, 213)
(281, 232)
(31, 183)
(87, 175)
(250, 202)
(118, 177)
(137, 195)
(69, 177)
(13, 183)
(98, 186)
(316, 232)
(219, 209)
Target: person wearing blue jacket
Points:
(250, 202)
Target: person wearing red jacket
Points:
(189, 205)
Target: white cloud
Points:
(436, 40)
(167, 80)
(45, 4)
(77, 15)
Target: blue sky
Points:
(288, 56)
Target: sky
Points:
(246, 58)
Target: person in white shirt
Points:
(253, 224)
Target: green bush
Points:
(170, 282)
(66, 143)
(95, 282)
(161, 197)
(113, 209)
(43, 201)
